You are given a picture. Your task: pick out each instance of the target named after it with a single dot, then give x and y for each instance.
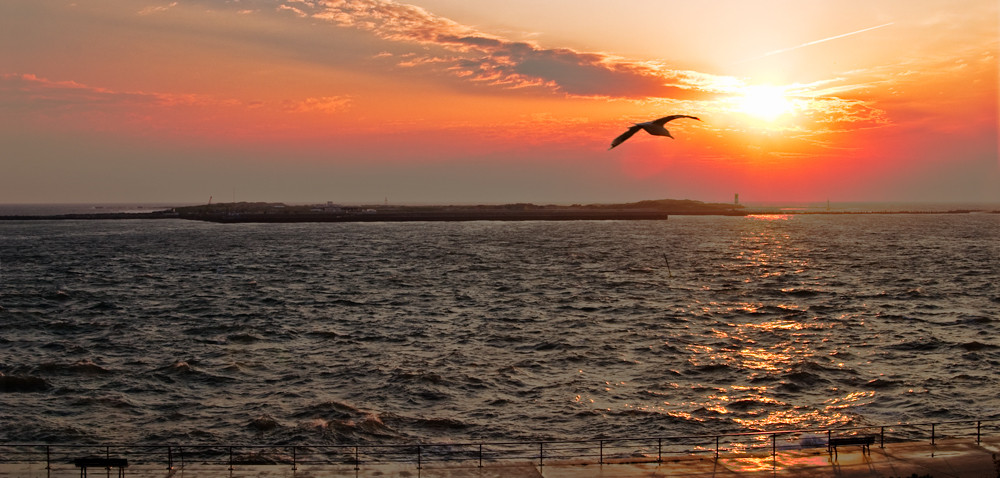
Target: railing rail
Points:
(595, 450)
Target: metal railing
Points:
(595, 450)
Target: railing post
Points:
(881, 438)
(774, 449)
(659, 450)
(932, 433)
(601, 461)
(541, 453)
(295, 463)
(230, 458)
(480, 455)
(716, 447)
(419, 460)
(48, 462)
(978, 425)
(170, 458)
(829, 441)
(357, 459)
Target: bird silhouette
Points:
(654, 128)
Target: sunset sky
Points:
(458, 101)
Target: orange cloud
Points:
(56, 105)
(326, 104)
(157, 9)
(495, 61)
(32, 93)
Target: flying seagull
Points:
(654, 128)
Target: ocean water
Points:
(143, 331)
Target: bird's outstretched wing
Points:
(626, 135)
(666, 119)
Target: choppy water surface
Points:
(153, 331)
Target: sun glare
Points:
(764, 102)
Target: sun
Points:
(764, 102)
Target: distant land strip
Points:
(261, 212)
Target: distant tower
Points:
(737, 200)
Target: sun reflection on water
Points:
(850, 400)
(761, 348)
(764, 340)
(769, 217)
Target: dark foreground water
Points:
(153, 331)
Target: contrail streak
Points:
(775, 52)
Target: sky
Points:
(472, 102)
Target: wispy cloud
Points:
(492, 60)
(29, 90)
(150, 10)
(36, 100)
(39, 94)
(42, 94)
(294, 10)
(326, 104)
(816, 42)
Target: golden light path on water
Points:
(759, 349)
(768, 251)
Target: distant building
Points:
(330, 207)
